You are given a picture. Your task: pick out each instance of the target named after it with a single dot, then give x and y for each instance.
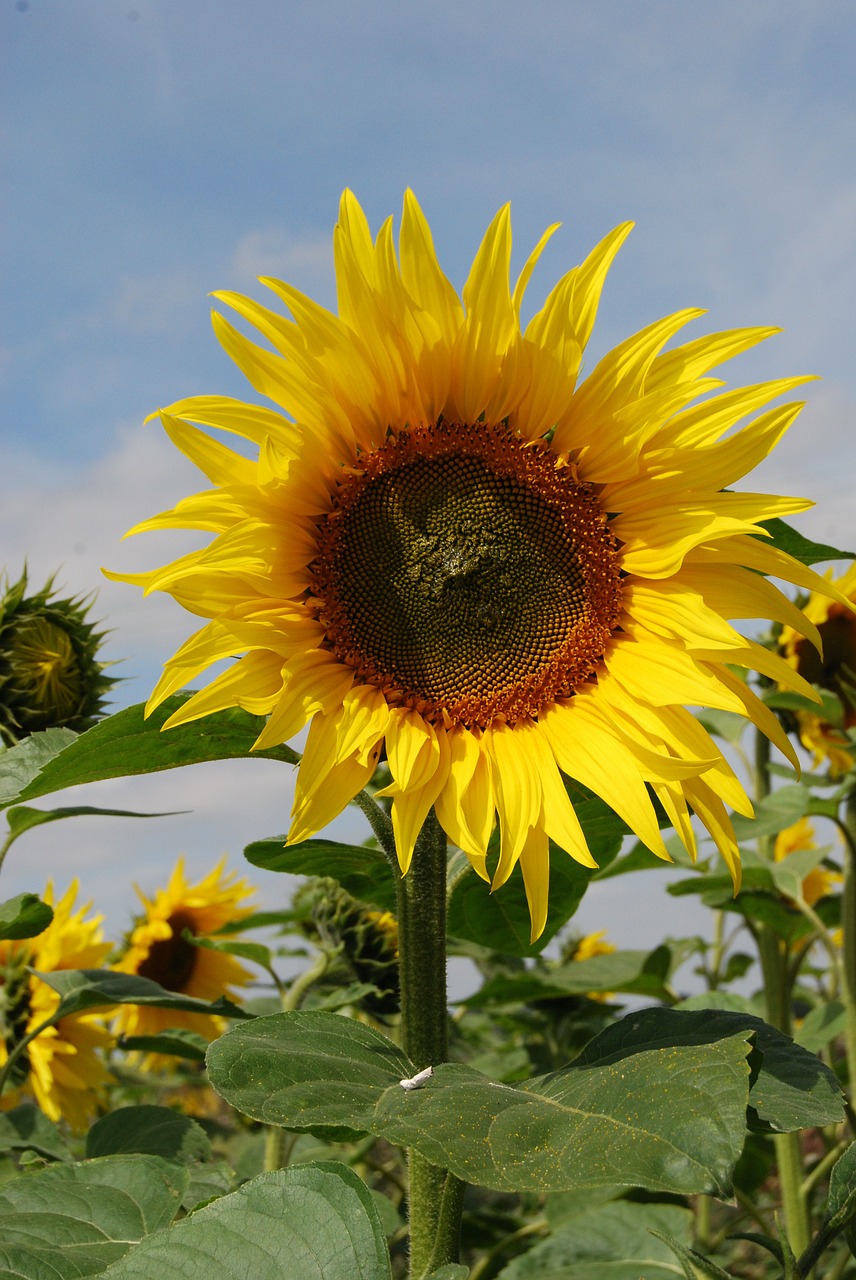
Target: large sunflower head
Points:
(63, 1067)
(158, 949)
(50, 675)
(449, 547)
(833, 667)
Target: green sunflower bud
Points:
(50, 675)
(368, 938)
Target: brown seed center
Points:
(171, 961)
(468, 574)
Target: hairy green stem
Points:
(436, 1195)
(380, 824)
(848, 928)
(773, 954)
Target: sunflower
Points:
(834, 669)
(63, 1067)
(819, 882)
(158, 949)
(449, 548)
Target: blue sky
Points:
(155, 150)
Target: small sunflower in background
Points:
(453, 548)
(50, 674)
(590, 945)
(834, 670)
(820, 882)
(63, 1068)
(157, 949)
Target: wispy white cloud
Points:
(306, 261)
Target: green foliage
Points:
(788, 539)
(25, 916)
(582, 1133)
(311, 1222)
(25, 1128)
(155, 1131)
(608, 1241)
(82, 989)
(573, 1128)
(76, 1219)
(363, 871)
(127, 744)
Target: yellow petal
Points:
(535, 865)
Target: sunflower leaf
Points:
(149, 1130)
(26, 1128)
(76, 1219)
(24, 916)
(500, 919)
(780, 809)
(177, 1041)
(821, 1025)
(126, 744)
(786, 538)
(20, 764)
(22, 818)
(94, 988)
(607, 1239)
(632, 972)
(321, 1218)
(667, 1117)
(256, 952)
(791, 1088)
(841, 1203)
(695, 1265)
(363, 871)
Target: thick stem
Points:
(773, 955)
(848, 928)
(436, 1196)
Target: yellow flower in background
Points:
(159, 951)
(449, 548)
(834, 670)
(591, 945)
(819, 882)
(62, 1068)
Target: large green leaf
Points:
(668, 1118)
(25, 916)
(127, 743)
(364, 872)
(81, 989)
(73, 1220)
(608, 1242)
(310, 1222)
(792, 1089)
(153, 1131)
(796, 544)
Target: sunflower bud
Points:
(49, 672)
(368, 938)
